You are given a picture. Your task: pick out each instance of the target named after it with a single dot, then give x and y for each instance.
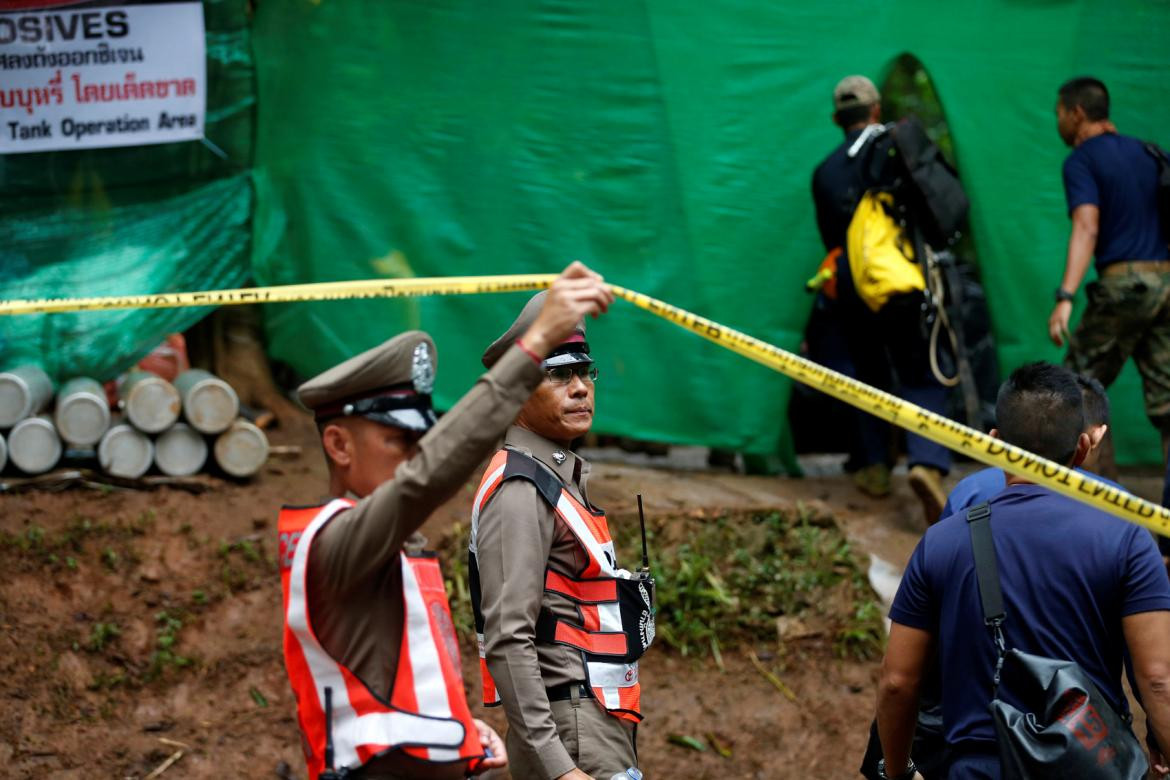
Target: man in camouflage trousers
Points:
(1111, 181)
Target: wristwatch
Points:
(1063, 295)
(907, 775)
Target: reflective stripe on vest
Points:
(492, 479)
(595, 592)
(427, 716)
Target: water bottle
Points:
(633, 773)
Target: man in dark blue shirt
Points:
(1110, 182)
(985, 483)
(1078, 584)
(837, 185)
(839, 181)
(883, 345)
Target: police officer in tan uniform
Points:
(563, 722)
(383, 445)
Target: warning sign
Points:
(85, 76)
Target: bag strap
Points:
(987, 574)
(986, 567)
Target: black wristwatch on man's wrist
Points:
(907, 775)
(1063, 295)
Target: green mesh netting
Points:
(131, 220)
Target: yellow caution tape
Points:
(321, 291)
(915, 419)
(955, 436)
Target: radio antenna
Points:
(642, 521)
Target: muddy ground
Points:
(141, 631)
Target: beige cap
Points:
(390, 384)
(574, 349)
(854, 91)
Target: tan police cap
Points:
(390, 384)
(854, 91)
(574, 349)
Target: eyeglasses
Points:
(563, 375)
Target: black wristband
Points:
(1063, 295)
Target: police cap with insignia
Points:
(390, 384)
(572, 350)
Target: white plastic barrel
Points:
(151, 403)
(34, 446)
(125, 451)
(180, 451)
(83, 413)
(24, 391)
(242, 449)
(210, 405)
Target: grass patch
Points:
(732, 580)
(168, 624)
(101, 635)
(62, 550)
(107, 681)
(244, 564)
(453, 552)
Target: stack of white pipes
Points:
(171, 427)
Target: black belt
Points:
(564, 691)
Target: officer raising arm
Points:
(369, 646)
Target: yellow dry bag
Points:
(881, 258)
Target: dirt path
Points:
(141, 626)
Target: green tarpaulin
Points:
(670, 146)
(131, 220)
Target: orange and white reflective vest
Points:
(615, 607)
(427, 715)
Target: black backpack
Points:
(1163, 161)
(904, 161)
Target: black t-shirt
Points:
(838, 184)
(1069, 574)
(1116, 174)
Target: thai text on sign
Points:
(85, 76)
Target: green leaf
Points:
(682, 740)
(720, 748)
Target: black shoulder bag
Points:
(1069, 729)
(1163, 197)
